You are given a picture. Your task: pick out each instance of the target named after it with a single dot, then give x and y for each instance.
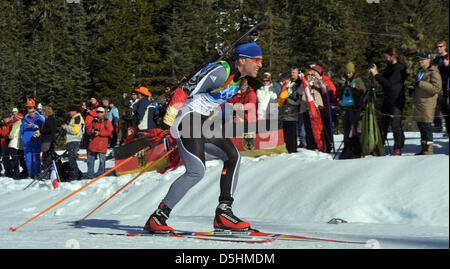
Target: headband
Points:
(248, 50)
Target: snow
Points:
(390, 202)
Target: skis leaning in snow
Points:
(238, 237)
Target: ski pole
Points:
(124, 186)
(73, 193)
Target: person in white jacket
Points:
(16, 148)
(267, 99)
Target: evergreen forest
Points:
(62, 52)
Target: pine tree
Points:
(79, 44)
(12, 39)
(126, 50)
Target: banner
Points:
(315, 118)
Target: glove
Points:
(178, 99)
(155, 135)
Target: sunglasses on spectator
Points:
(265, 80)
(439, 46)
(100, 112)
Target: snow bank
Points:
(306, 187)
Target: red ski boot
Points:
(157, 221)
(225, 220)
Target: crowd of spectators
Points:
(97, 126)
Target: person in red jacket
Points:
(5, 128)
(100, 129)
(326, 111)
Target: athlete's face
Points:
(250, 66)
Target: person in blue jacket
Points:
(146, 111)
(31, 123)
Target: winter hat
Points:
(39, 106)
(15, 110)
(144, 90)
(247, 50)
(424, 55)
(18, 116)
(350, 67)
(316, 68)
(30, 103)
(131, 128)
(100, 109)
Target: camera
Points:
(35, 135)
(368, 66)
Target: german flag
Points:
(283, 95)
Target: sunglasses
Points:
(256, 60)
(265, 80)
(439, 46)
(100, 112)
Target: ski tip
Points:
(12, 229)
(77, 222)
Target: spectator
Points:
(283, 81)
(113, 117)
(277, 85)
(130, 135)
(297, 82)
(74, 133)
(350, 93)
(15, 111)
(39, 109)
(326, 111)
(163, 102)
(393, 83)
(129, 104)
(426, 90)
(5, 128)
(127, 115)
(48, 140)
(84, 109)
(100, 130)
(87, 114)
(143, 118)
(267, 99)
(289, 116)
(317, 86)
(29, 133)
(16, 148)
(442, 63)
(94, 104)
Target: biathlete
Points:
(191, 105)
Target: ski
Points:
(227, 236)
(207, 236)
(281, 236)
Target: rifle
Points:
(220, 54)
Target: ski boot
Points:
(157, 221)
(226, 221)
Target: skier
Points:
(192, 103)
